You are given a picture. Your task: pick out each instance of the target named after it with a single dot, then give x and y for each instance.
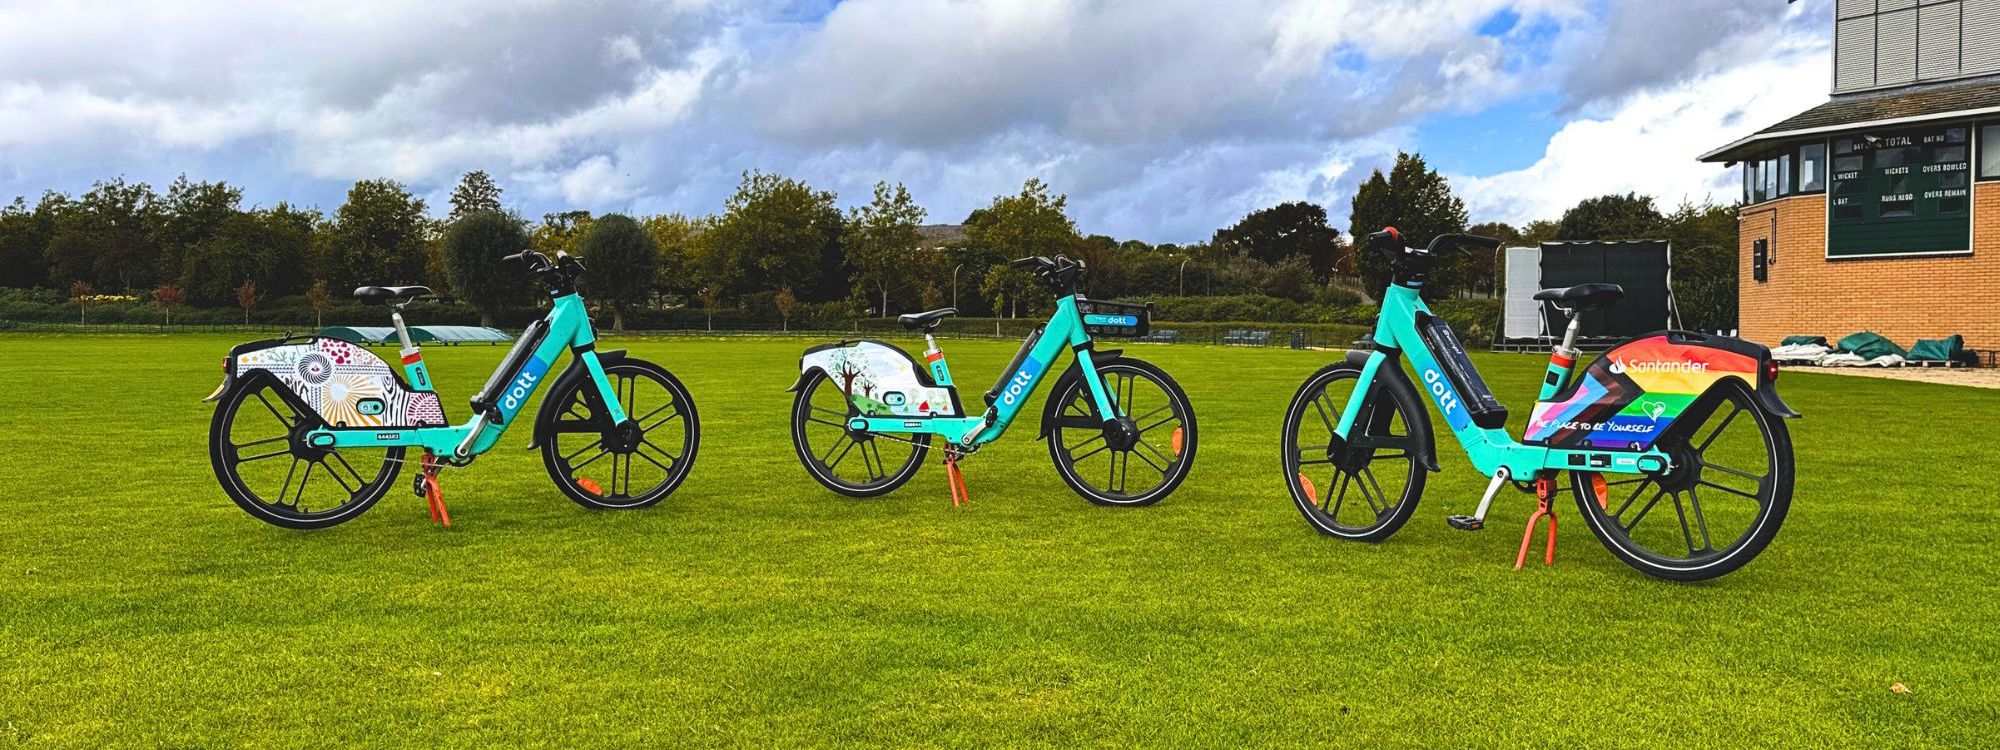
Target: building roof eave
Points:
(1729, 152)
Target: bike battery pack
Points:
(488, 400)
(1007, 374)
(1485, 410)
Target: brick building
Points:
(1880, 209)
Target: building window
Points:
(1989, 152)
(1784, 174)
(1812, 168)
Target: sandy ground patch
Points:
(1977, 377)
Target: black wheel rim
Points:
(625, 464)
(852, 459)
(1712, 501)
(1357, 486)
(1142, 454)
(267, 459)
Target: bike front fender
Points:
(1075, 372)
(1391, 376)
(576, 372)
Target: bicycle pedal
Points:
(1465, 523)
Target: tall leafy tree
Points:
(476, 193)
(1414, 199)
(620, 263)
(192, 213)
(473, 250)
(680, 240)
(1033, 222)
(775, 232)
(107, 237)
(882, 242)
(24, 235)
(1611, 217)
(1287, 230)
(561, 232)
(377, 237)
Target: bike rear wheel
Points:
(1374, 480)
(1715, 509)
(851, 462)
(258, 449)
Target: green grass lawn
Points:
(139, 607)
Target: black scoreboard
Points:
(1902, 192)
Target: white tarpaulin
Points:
(1524, 278)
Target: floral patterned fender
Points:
(348, 386)
(881, 380)
(1630, 395)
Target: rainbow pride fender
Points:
(1629, 397)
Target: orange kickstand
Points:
(1545, 490)
(433, 492)
(956, 479)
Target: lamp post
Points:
(954, 285)
(1184, 274)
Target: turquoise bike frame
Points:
(1489, 449)
(1065, 330)
(568, 329)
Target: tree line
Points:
(779, 249)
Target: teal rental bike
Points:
(311, 431)
(1675, 442)
(865, 412)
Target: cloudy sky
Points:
(1162, 119)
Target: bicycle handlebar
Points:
(1389, 240)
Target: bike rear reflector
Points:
(1771, 371)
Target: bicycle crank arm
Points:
(1477, 520)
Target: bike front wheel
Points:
(603, 466)
(1374, 479)
(1154, 424)
(1715, 508)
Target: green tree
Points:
(192, 213)
(1704, 241)
(377, 237)
(24, 237)
(474, 248)
(1295, 229)
(680, 239)
(1611, 217)
(561, 232)
(1030, 223)
(775, 232)
(1414, 199)
(107, 237)
(882, 242)
(475, 193)
(620, 263)
(1007, 287)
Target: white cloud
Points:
(1648, 142)
(1162, 119)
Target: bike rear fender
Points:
(545, 417)
(1632, 394)
(907, 387)
(1391, 376)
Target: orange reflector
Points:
(1312, 493)
(590, 486)
(1602, 490)
(1180, 438)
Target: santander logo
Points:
(1621, 367)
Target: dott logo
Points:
(1447, 400)
(1019, 383)
(524, 384)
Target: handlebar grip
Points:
(1389, 240)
